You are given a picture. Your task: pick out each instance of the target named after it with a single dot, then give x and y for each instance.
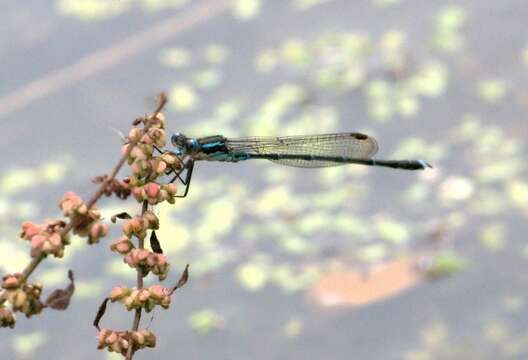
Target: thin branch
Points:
(140, 275)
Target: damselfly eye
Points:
(178, 139)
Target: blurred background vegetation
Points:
(337, 263)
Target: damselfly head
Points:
(179, 141)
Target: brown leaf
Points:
(183, 279)
(123, 215)
(100, 313)
(60, 299)
(154, 243)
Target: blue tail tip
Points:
(425, 164)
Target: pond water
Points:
(284, 262)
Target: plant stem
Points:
(140, 275)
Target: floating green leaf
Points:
(157, 5)
(205, 321)
(92, 10)
(207, 79)
(493, 236)
(28, 344)
(89, 289)
(435, 334)
(448, 25)
(446, 263)
(253, 275)
(13, 256)
(385, 3)
(216, 53)
(183, 98)
(392, 231)
(517, 191)
(293, 328)
(266, 61)
(373, 253)
(492, 90)
(175, 57)
(246, 9)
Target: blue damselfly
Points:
(307, 151)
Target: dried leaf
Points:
(123, 215)
(162, 101)
(100, 313)
(183, 279)
(154, 243)
(60, 298)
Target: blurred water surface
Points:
(272, 248)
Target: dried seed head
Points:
(134, 134)
(11, 281)
(123, 245)
(7, 317)
(119, 292)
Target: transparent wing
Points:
(352, 145)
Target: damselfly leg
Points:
(187, 166)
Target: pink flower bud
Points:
(119, 292)
(98, 230)
(160, 167)
(20, 299)
(163, 195)
(123, 245)
(161, 260)
(147, 150)
(142, 254)
(124, 149)
(130, 261)
(157, 292)
(136, 223)
(151, 220)
(37, 241)
(136, 153)
(55, 240)
(29, 229)
(146, 139)
(11, 281)
(143, 295)
(129, 303)
(127, 228)
(159, 121)
(103, 334)
(137, 192)
(115, 347)
(123, 343)
(138, 338)
(49, 248)
(169, 158)
(112, 338)
(161, 141)
(171, 189)
(134, 134)
(136, 167)
(165, 302)
(152, 190)
(82, 209)
(7, 318)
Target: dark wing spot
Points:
(359, 136)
